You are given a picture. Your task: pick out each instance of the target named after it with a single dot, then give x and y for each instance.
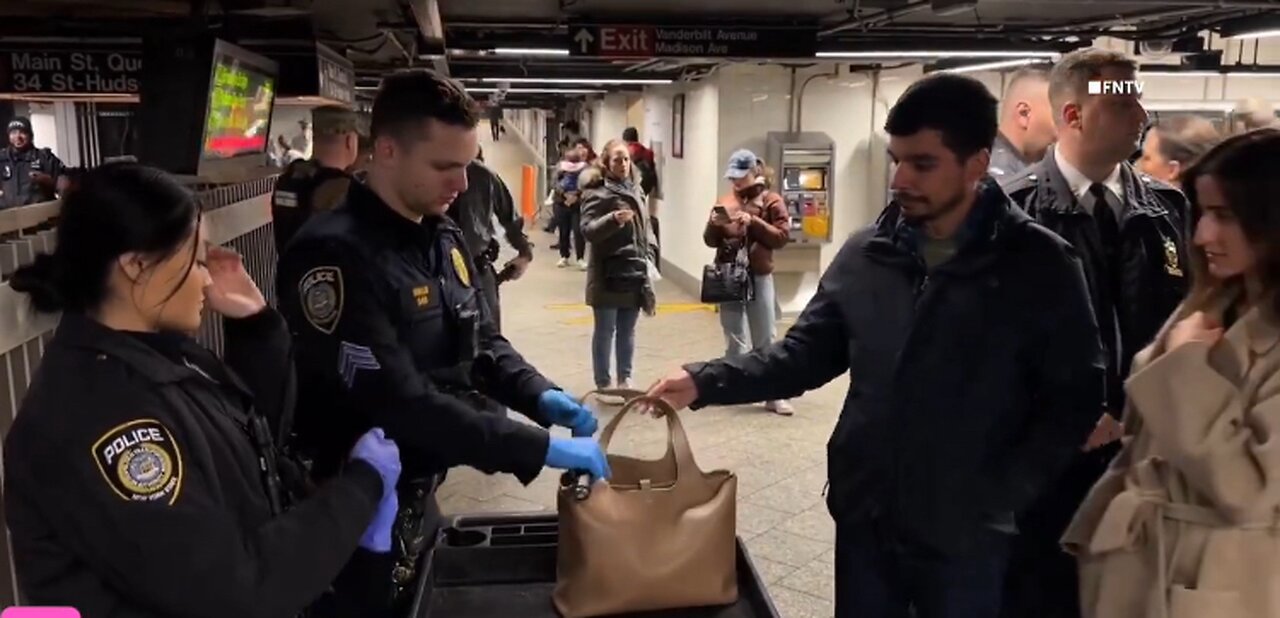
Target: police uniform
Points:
(390, 331)
(1135, 284)
(17, 167)
(140, 480)
(473, 210)
(1006, 160)
(304, 188)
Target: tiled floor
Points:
(780, 461)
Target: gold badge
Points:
(460, 266)
(140, 461)
(1171, 258)
(422, 295)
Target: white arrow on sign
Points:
(584, 39)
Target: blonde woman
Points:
(1186, 523)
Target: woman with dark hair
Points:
(141, 477)
(1185, 521)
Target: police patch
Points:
(140, 461)
(320, 293)
(460, 266)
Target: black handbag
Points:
(728, 282)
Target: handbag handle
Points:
(677, 439)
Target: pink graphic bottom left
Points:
(40, 612)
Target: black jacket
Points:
(390, 332)
(971, 386)
(474, 209)
(618, 264)
(16, 167)
(1154, 275)
(304, 188)
(132, 488)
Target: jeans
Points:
(751, 325)
(879, 577)
(611, 321)
(571, 224)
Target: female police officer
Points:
(139, 479)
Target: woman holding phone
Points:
(751, 219)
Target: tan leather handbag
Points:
(657, 535)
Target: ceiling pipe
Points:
(870, 21)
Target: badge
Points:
(1171, 258)
(422, 296)
(140, 461)
(460, 266)
(321, 295)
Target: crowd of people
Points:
(1064, 366)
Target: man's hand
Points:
(677, 389)
(565, 411)
(518, 266)
(1107, 430)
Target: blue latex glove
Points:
(565, 411)
(383, 454)
(581, 454)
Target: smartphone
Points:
(720, 212)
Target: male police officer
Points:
(312, 185)
(1127, 228)
(28, 175)
(390, 330)
(474, 209)
(1026, 127)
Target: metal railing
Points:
(238, 216)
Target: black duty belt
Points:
(413, 533)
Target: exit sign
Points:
(637, 41)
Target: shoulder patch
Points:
(140, 461)
(320, 293)
(460, 266)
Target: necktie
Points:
(1105, 216)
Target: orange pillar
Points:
(528, 192)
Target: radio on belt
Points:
(805, 162)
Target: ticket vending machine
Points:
(804, 164)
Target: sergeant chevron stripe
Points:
(353, 358)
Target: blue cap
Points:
(741, 162)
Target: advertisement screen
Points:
(239, 116)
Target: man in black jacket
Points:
(1127, 228)
(975, 365)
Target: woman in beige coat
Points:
(1186, 523)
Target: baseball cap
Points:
(335, 120)
(741, 162)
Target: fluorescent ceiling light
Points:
(1142, 73)
(564, 80)
(935, 54)
(987, 66)
(529, 51)
(540, 90)
(1258, 34)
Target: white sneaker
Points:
(627, 384)
(563, 263)
(582, 264)
(780, 407)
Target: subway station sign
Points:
(636, 41)
(33, 71)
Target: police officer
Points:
(140, 474)
(311, 185)
(1127, 228)
(473, 211)
(391, 331)
(1026, 127)
(28, 175)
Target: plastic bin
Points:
(499, 566)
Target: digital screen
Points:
(805, 179)
(239, 116)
